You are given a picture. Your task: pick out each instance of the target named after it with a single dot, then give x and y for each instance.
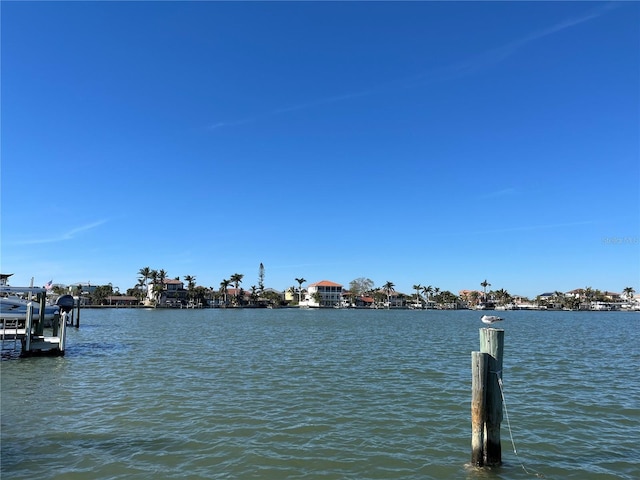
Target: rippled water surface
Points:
(320, 394)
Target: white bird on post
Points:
(489, 319)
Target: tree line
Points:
(424, 295)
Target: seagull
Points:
(489, 319)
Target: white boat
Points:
(13, 307)
(16, 308)
(486, 306)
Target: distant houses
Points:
(330, 294)
(171, 292)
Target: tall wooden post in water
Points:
(78, 313)
(486, 398)
(42, 301)
(479, 368)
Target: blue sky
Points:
(415, 142)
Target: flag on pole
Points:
(48, 285)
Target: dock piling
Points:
(479, 369)
(27, 328)
(486, 403)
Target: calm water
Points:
(320, 394)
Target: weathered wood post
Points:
(479, 371)
(492, 343)
(55, 326)
(26, 346)
(42, 300)
(78, 313)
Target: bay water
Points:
(320, 394)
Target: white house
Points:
(172, 294)
(324, 294)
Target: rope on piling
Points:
(506, 415)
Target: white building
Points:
(324, 294)
(172, 293)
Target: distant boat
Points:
(601, 306)
(489, 319)
(486, 306)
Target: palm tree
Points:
(628, 292)
(503, 296)
(158, 284)
(388, 287)
(236, 279)
(436, 292)
(145, 273)
(484, 285)
(300, 282)
(224, 285)
(417, 288)
(427, 292)
(191, 283)
(139, 293)
(154, 276)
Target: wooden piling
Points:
(42, 300)
(55, 325)
(479, 370)
(78, 314)
(26, 346)
(492, 343)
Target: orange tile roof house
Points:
(324, 294)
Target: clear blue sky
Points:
(417, 142)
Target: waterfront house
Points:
(324, 294)
(172, 294)
(396, 300)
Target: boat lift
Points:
(31, 330)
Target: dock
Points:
(29, 330)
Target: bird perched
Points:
(489, 319)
